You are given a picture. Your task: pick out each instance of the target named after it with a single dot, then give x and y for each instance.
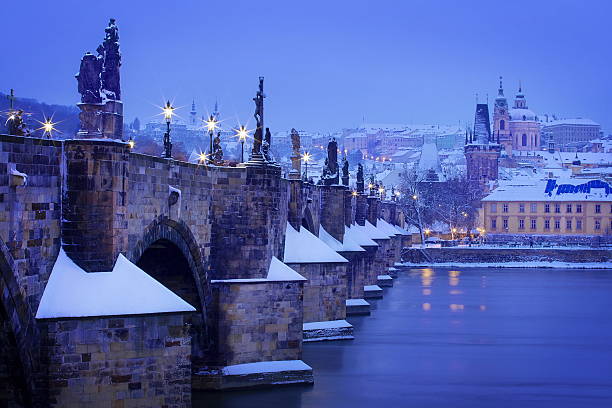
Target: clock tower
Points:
(501, 119)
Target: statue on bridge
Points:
(360, 183)
(345, 171)
(108, 51)
(256, 154)
(88, 79)
(331, 171)
(296, 158)
(16, 124)
(265, 146)
(217, 153)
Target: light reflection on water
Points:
(471, 338)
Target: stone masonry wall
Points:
(332, 210)
(260, 321)
(30, 214)
(355, 273)
(94, 229)
(325, 292)
(139, 361)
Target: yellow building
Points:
(551, 207)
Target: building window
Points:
(557, 208)
(546, 208)
(557, 224)
(534, 207)
(521, 224)
(524, 140)
(522, 207)
(578, 208)
(547, 224)
(505, 223)
(568, 208)
(597, 225)
(493, 207)
(502, 124)
(493, 223)
(505, 208)
(533, 224)
(579, 225)
(597, 208)
(568, 225)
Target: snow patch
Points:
(331, 324)
(358, 234)
(266, 367)
(127, 290)
(369, 288)
(277, 272)
(384, 277)
(375, 232)
(357, 302)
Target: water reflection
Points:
(511, 338)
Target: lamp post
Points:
(168, 112)
(211, 125)
(48, 127)
(242, 135)
(306, 158)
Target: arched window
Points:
(524, 141)
(502, 124)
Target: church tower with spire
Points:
(501, 120)
(482, 151)
(193, 115)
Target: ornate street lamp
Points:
(48, 127)
(168, 111)
(306, 157)
(211, 125)
(242, 134)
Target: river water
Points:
(469, 338)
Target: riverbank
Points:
(501, 257)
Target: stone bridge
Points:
(128, 278)
(214, 236)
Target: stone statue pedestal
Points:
(91, 120)
(296, 168)
(101, 120)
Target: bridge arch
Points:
(19, 340)
(168, 251)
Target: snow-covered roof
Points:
(521, 114)
(277, 272)
(553, 190)
(127, 290)
(576, 121)
(304, 247)
(358, 234)
(347, 245)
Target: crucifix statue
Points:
(259, 120)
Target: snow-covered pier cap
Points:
(305, 247)
(126, 290)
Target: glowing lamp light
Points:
(427, 231)
(203, 157)
(397, 193)
(381, 190)
(131, 143)
(415, 197)
(370, 185)
(242, 133)
(306, 157)
(211, 124)
(354, 193)
(454, 229)
(168, 111)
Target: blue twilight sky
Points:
(328, 64)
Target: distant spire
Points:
(193, 105)
(520, 87)
(466, 136)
